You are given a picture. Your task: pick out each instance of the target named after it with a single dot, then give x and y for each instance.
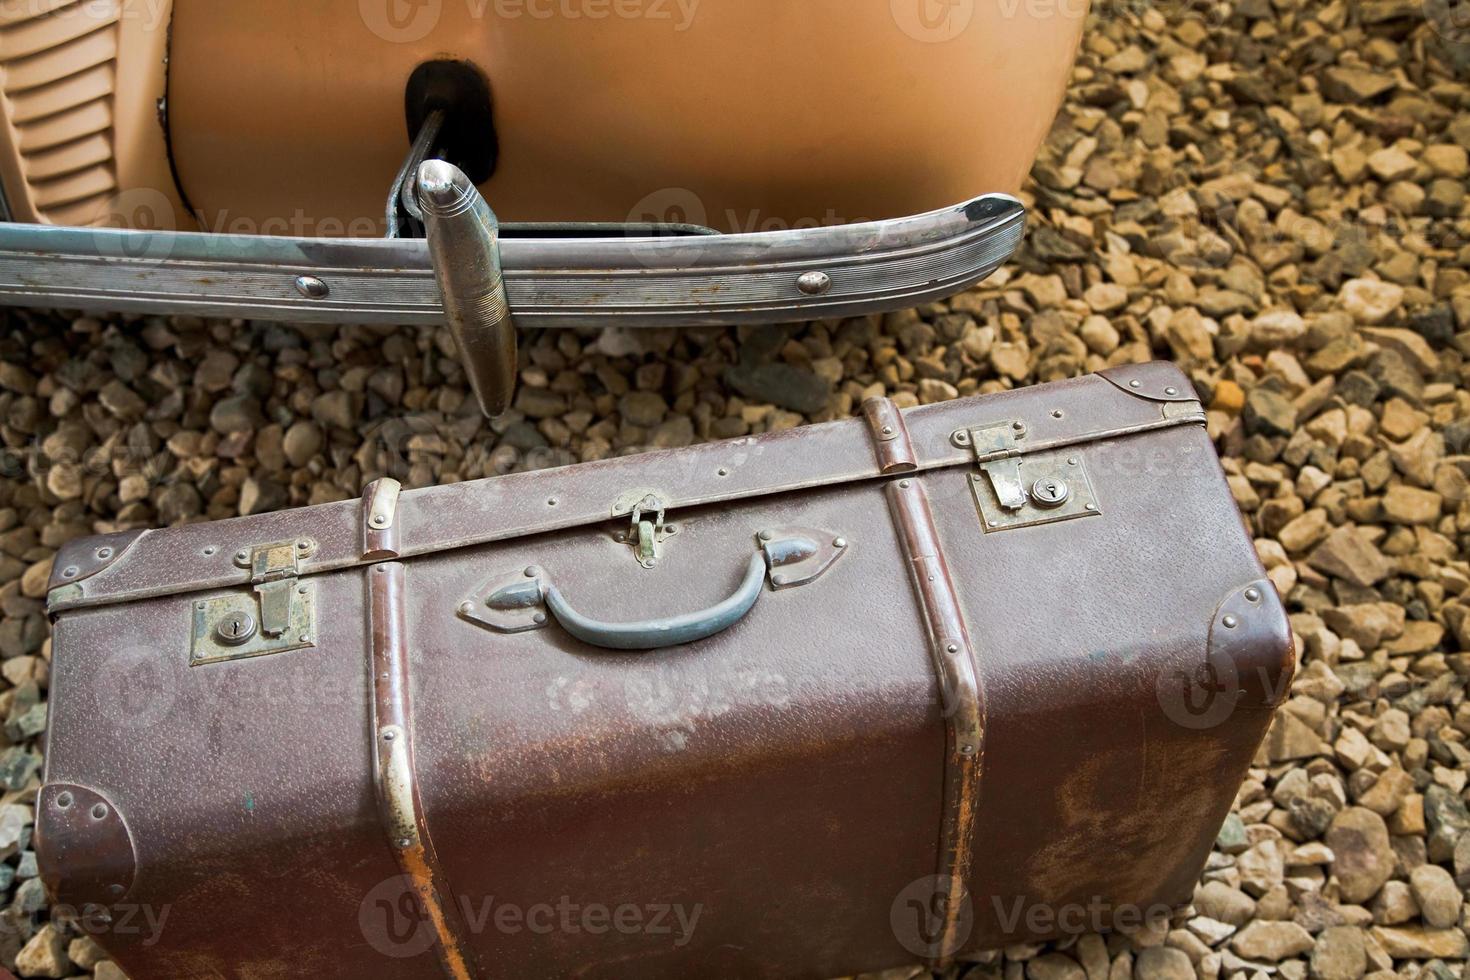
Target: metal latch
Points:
(1020, 488)
(277, 616)
(645, 510)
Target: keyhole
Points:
(236, 628)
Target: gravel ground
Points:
(1271, 194)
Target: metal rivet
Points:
(533, 571)
(301, 591)
(1091, 507)
(303, 545)
(116, 889)
(840, 543)
(312, 287)
(778, 579)
(814, 283)
(1072, 461)
(242, 555)
(1253, 594)
(405, 842)
(904, 484)
(1135, 384)
(1019, 426)
(104, 553)
(539, 618)
(466, 608)
(1171, 391)
(551, 502)
(209, 550)
(99, 812)
(967, 750)
(389, 736)
(1057, 414)
(63, 800)
(379, 520)
(70, 571)
(305, 637)
(766, 535)
(976, 477)
(995, 523)
(1230, 622)
(724, 472)
(953, 648)
(888, 430)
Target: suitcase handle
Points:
(654, 634)
(529, 600)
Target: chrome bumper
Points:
(768, 277)
(682, 281)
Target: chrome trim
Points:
(666, 281)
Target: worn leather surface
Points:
(784, 776)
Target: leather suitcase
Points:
(840, 698)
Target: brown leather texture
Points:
(744, 115)
(785, 778)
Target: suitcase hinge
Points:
(281, 617)
(1016, 488)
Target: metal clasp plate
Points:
(278, 616)
(645, 509)
(1015, 488)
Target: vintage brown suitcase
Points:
(818, 701)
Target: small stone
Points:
(1219, 901)
(1349, 555)
(1339, 954)
(1277, 328)
(1370, 300)
(1271, 941)
(301, 443)
(1439, 898)
(238, 414)
(122, 401)
(335, 408)
(44, 955)
(1403, 504)
(781, 385)
(1054, 966)
(1162, 963)
(1269, 413)
(1359, 841)
(1418, 943)
(645, 409)
(1354, 85)
(1105, 297)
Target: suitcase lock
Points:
(278, 615)
(1021, 485)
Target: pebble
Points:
(1438, 896)
(1339, 954)
(1364, 859)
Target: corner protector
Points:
(81, 559)
(1250, 646)
(1156, 381)
(83, 846)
